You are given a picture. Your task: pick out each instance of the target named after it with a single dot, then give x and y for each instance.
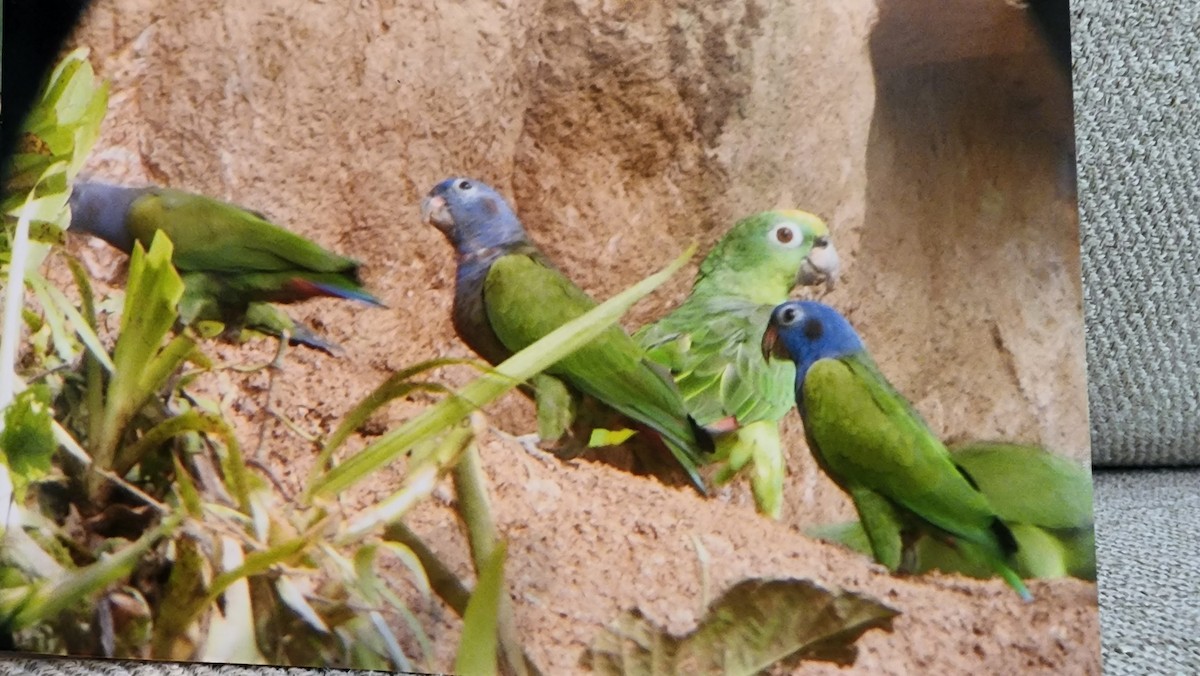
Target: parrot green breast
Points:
(217, 237)
(711, 345)
(866, 435)
(525, 299)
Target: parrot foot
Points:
(532, 445)
(268, 409)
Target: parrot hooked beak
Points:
(821, 265)
(772, 346)
(435, 212)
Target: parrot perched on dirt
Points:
(871, 442)
(711, 342)
(1044, 498)
(508, 295)
(233, 261)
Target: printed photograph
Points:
(550, 337)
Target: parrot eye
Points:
(788, 316)
(786, 234)
(464, 185)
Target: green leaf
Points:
(82, 326)
(58, 134)
(397, 385)
(477, 649)
(27, 441)
(142, 366)
(294, 598)
(231, 635)
(755, 624)
(602, 437)
(412, 562)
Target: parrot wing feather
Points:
(712, 347)
(217, 237)
(525, 298)
(1026, 484)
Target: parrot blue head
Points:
(472, 215)
(99, 209)
(805, 331)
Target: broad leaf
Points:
(27, 442)
(753, 625)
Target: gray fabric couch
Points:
(1137, 87)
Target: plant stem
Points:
(476, 514)
(441, 579)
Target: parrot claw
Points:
(531, 443)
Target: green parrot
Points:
(711, 342)
(508, 295)
(871, 442)
(1044, 499)
(233, 261)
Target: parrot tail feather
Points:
(987, 556)
(1010, 576)
(324, 289)
(1004, 537)
(688, 466)
(703, 436)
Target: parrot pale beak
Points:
(435, 212)
(821, 265)
(772, 346)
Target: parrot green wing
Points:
(214, 236)
(868, 436)
(525, 299)
(712, 348)
(1026, 484)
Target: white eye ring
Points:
(787, 235)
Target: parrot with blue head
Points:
(710, 342)
(233, 261)
(868, 438)
(1045, 499)
(508, 295)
